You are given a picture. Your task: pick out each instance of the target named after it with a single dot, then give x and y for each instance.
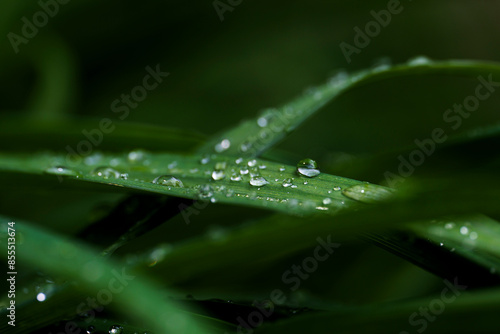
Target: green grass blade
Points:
(251, 138)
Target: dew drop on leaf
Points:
(218, 175)
(136, 156)
(308, 167)
(235, 177)
(106, 172)
(168, 180)
(116, 329)
(287, 183)
(62, 171)
(420, 60)
(367, 193)
(258, 181)
(222, 146)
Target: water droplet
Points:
(381, 64)
(106, 172)
(213, 200)
(420, 60)
(262, 166)
(235, 177)
(252, 163)
(464, 230)
(205, 159)
(282, 169)
(218, 175)
(258, 181)
(449, 226)
(238, 161)
(367, 193)
(168, 180)
(338, 79)
(158, 254)
(246, 146)
(116, 329)
(60, 170)
(327, 201)
(205, 191)
(337, 188)
(287, 183)
(266, 117)
(308, 167)
(473, 235)
(90, 330)
(40, 297)
(222, 146)
(172, 165)
(93, 159)
(136, 156)
(244, 170)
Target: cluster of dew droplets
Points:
(108, 173)
(169, 181)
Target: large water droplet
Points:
(367, 193)
(308, 167)
(258, 181)
(218, 175)
(62, 171)
(169, 181)
(107, 173)
(116, 329)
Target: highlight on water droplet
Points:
(62, 171)
(308, 168)
(136, 156)
(258, 181)
(40, 297)
(106, 172)
(205, 159)
(169, 181)
(367, 193)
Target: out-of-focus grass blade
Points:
(455, 310)
(253, 137)
(72, 137)
(61, 257)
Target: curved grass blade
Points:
(61, 257)
(251, 138)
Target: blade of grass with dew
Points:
(251, 138)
